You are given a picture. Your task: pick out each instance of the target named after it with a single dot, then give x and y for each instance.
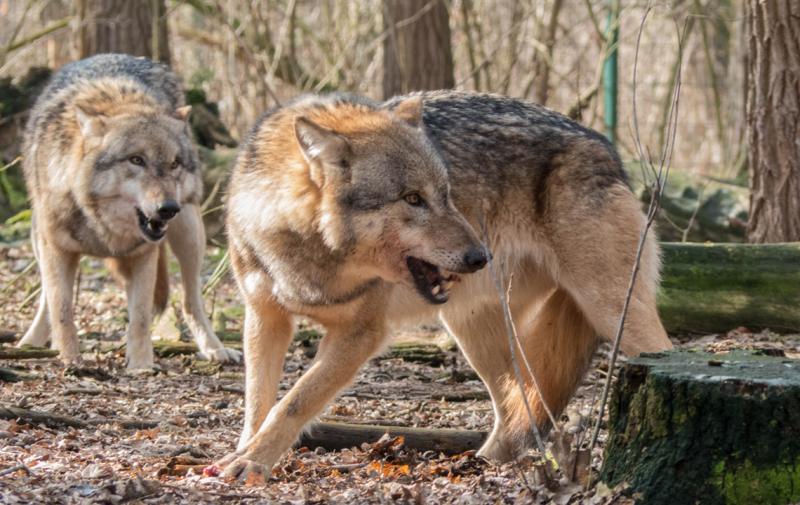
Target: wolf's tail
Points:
(161, 293)
(559, 344)
(121, 270)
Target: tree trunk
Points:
(137, 27)
(416, 54)
(688, 427)
(773, 120)
(542, 62)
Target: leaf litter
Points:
(149, 438)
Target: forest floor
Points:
(145, 438)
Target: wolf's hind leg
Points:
(39, 332)
(558, 344)
(187, 239)
(267, 333)
(596, 258)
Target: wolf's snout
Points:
(475, 259)
(168, 209)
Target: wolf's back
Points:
(155, 77)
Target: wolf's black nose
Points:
(168, 209)
(475, 259)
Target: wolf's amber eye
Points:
(414, 199)
(175, 164)
(137, 160)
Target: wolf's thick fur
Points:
(325, 221)
(111, 169)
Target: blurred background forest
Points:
(241, 57)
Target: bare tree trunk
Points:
(137, 27)
(417, 53)
(773, 120)
(543, 62)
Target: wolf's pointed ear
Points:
(319, 146)
(182, 113)
(91, 123)
(410, 111)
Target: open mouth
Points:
(153, 229)
(429, 280)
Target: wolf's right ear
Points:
(90, 122)
(410, 111)
(320, 147)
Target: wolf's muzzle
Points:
(475, 259)
(168, 209)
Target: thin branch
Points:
(501, 293)
(525, 358)
(661, 175)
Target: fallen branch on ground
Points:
(336, 436)
(27, 353)
(330, 436)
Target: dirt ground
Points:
(146, 438)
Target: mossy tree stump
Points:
(690, 427)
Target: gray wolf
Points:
(111, 172)
(363, 215)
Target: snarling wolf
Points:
(111, 171)
(361, 215)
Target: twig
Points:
(20, 275)
(222, 267)
(511, 344)
(54, 27)
(11, 164)
(526, 362)
(15, 468)
(658, 185)
(685, 234)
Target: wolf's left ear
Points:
(182, 113)
(91, 123)
(320, 146)
(410, 111)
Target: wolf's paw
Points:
(142, 364)
(70, 360)
(33, 339)
(239, 467)
(222, 355)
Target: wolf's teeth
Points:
(436, 289)
(447, 285)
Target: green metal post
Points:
(610, 72)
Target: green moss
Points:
(746, 483)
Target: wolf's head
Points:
(386, 196)
(138, 166)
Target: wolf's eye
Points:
(137, 160)
(175, 164)
(414, 199)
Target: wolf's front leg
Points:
(58, 268)
(187, 239)
(342, 352)
(140, 288)
(267, 333)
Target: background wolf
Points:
(347, 212)
(111, 170)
